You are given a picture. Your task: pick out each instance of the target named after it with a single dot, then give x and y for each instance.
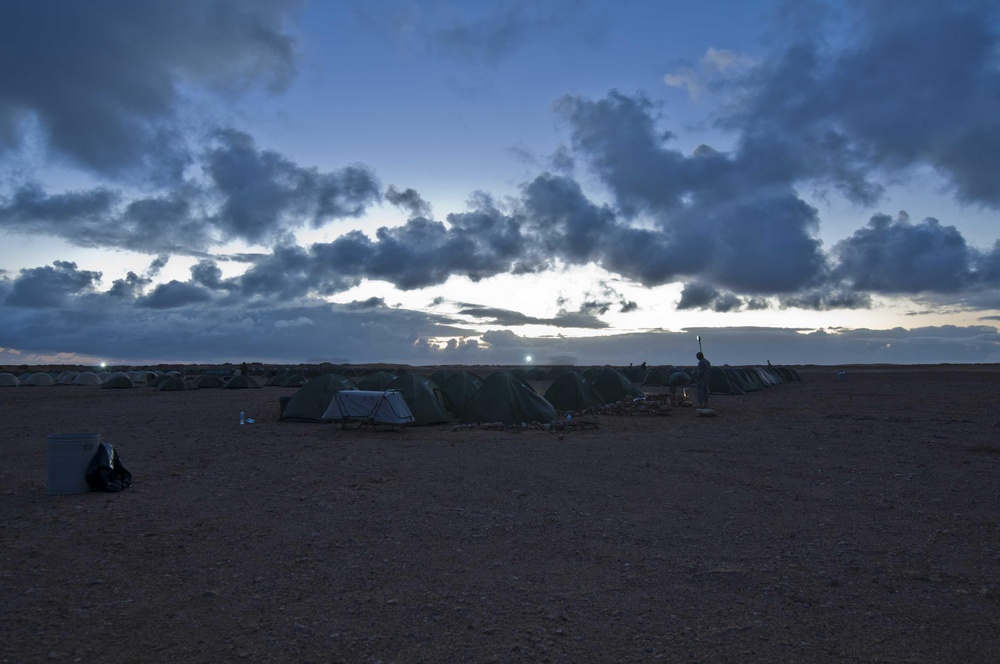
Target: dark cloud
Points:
(894, 256)
(175, 294)
(50, 286)
(583, 319)
(408, 200)
(104, 80)
(827, 300)
(131, 287)
(264, 194)
(715, 219)
(916, 84)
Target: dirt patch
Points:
(824, 520)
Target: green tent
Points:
(571, 391)
(439, 377)
(311, 400)
(614, 386)
(460, 388)
(425, 399)
(377, 381)
(175, 384)
(506, 398)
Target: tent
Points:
(377, 381)
(117, 380)
(87, 378)
(460, 388)
(439, 377)
(311, 400)
(174, 384)
(425, 399)
(571, 391)
(240, 382)
(9, 380)
(505, 398)
(37, 379)
(719, 383)
(368, 407)
(208, 381)
(66, 377)
(614, 386)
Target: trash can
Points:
(69, 457)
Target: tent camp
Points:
(571, 391)
(9, 380)
(376, 381)
(506, 398)
(66, 377)
(460, 388)
(311, 400)
(614, 386)
(425, 399)
(439, 377)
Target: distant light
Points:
(527, 359)
(104, 365)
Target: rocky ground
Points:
(825, 520)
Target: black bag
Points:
(106, 472)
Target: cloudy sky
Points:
(480, 181)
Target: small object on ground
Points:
(705, 412)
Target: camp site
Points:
(508, 514)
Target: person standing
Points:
(701, 379)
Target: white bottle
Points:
(242, 417)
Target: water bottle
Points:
(242, 417)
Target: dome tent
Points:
(460, 388)
(116, 381)
(40, 379)
(377, 381)
(571, 391)
(425, 399)
(614, 386)
(240, 382)
(506, 398)
(174, 384)
(312, 399)
(9, 380)
(208, 381)
(87, 378)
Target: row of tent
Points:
(448, 396)
(166, 381)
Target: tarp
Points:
(368, 406)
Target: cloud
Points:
(894, 256)
(174, 294)
(105, 82)
(264, 194)
(911, 87)
(408, 200)
(50, 286)
(583, 319)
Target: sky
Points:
(499, 182)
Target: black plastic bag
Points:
(106, 472)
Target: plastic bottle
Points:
(242, 417)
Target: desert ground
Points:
(815, 521)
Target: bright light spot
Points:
(527, 359)
(104, 365)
